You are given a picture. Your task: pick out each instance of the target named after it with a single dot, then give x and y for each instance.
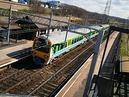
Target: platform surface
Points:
(125, 64)
(8, 55)
(75, 86)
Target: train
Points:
(45, 49)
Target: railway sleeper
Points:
(47, 70)
(3, 86)
(58, 79)
(8, 84)
(5, 76)
(43, 91)
(16, 85)
(42, 94)
(29, 91)
(46, 90)
(41, 74)
(49, 86)
(52, 84)
(15, 80)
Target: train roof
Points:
(58, 36)
(99, 27)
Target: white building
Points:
(14, 0)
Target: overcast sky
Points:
(119, 8)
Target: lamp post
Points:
(9, 21)
(50, 22)
(67, 29)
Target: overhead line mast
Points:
(107, 10)
(108, 7)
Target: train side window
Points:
(77, 39)
(91, 33)
(88, 35)
(81, 37)
(54, 49)
(57, 48)
(72, 41)
(68, 42)
(61, 46)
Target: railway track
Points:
(47, 88)
(44, 81)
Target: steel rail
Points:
(11, 75)
(59, 70)
(28, 78)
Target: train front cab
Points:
(41, 51)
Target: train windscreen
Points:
(41, 45)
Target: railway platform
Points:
(76, 85)
(14, 53)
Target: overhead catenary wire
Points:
(50, 19)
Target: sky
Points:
(119, 8)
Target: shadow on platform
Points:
(26, 63)
(20, 53)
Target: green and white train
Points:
(45, 50)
